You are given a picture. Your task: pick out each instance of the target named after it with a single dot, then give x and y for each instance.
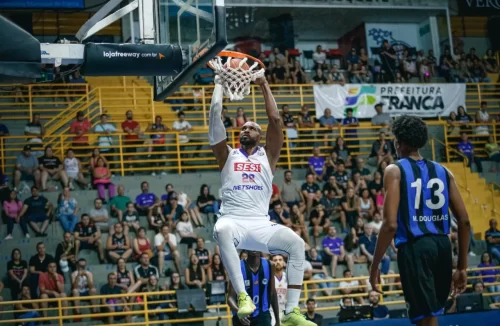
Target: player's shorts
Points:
(250, 233)
(425, 268)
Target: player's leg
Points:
(227, 234)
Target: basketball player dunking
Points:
(246, 175)
(419, 194)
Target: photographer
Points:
(388, 58)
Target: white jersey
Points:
(71, 165)
(281, 287)
(246, 184)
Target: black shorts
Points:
(262, 319)
(425, 267)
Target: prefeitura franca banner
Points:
(424, 100)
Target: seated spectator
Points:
(279, 215)
(67, 210)
(298, 224)
(185, 232)
(152, 288)
(291, 193)
(112, 305)
(489, 276)
(131, 219)
(279, 72)
(173, 210)
(203, 254)
(182, 126)
(333, 248)
(376, 189)
(118, 244)
(366, 204)
(367, 244)
(37, 209)
(17, 273)
(26, 168)
(94, 157)
(157, 219)
(329, 122)
(490, 61)
(351, 241)
(204, 76)
(82, 285)
(194, 274)
(26, 308)
(350, 208)
(319, 78)
(399, 78)
(12, 209)
(493, 151)
(319, 58)
(74, 171)
(309, 189)
(118, 204)
(317, 165)
(206, 201)
(343, 152)
(376, 223)
(351, 287)
(80, 127)
(478, 72)
(99, 215)
(66, 253)
(382, 150)
(336, 77)
(142, 245)
(38, 265)
(311, 314)
(319, 272)
(365, 75)
(191, 207)
(51, 168)
(125, 278)
(379, 311)
(102, 180)
(158, 136)
(34, 131)
(88, 236)
(216, 270)
(166, 247)
(466, 148)
(488, 304)
(51, 285)
(146, 201)
(144, 270)
(354, 74)
(319, 222)
(106, 131)
(364, 173)
(492, 237)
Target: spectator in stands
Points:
(99, 215)
(331, 201)
(478, 72)
(279, 73)
(382, 150)
(298, 73)
(118, 244)
(80, 127)
(88, 236)
(144, 270)
(354, 74)
(488, 303)
(106, 130)
(493, 151)
(388, 57)
(309, 189)
(336, 77)
(376, 190)
(492, 237)
(132, 129)
(379, 311)
(26, 168)
(102, 180)
(17, 273)
(82, 285)
(11, 210)
(409, 66)
(203, 254)
(206, 202)
(158, 130)
(482, 116)
(319, 271)
(489, 275)
(125, 278)
(432, 61)
(118, 204)
(341, 177)
(74, 171)
(112, 305)
(142, 245)
(463, 118)
(51, 285)
(131, 218)
(376, 223)
(329, 122)
(194, 274)
(319, 58)
(466, 148)
(317, 165)
(157, 218)
(51, 167)
(453, 125)
(333, 248)
(182, 126)
(331, 185)
(66, 253)
(146, 201)
(366, 204)
(319, 78)
(166, 247)
(461, 74)
(399, 78)
(367, 244)
(365, 75)
(67, 210)
(204, 76)
(352, 287)
(277, 56)
(185, 233)
(490, 61)
(350, 122)
(279, 215)
(290, 193)
(364, 173)
(382, 119)
(352, 59)
(189, 206)
(311, 314)
(34, 131)
(173, 210)
(37, 209)
(4, 131)
(38, 265)
(24, 309)
(240, 119)
(216, 270)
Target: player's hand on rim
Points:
(459, 282)
(375, 278)
(260, 81)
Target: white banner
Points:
(424, 100)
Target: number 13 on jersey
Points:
(436, 187)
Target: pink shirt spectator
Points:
(101, 170)
(12, 208)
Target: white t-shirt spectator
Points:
(180, 126)
(159, 239)
(319, 58)
(183, 227)
(346, 285)
(376, 226)
(105, 141)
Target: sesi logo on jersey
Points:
(247, 167)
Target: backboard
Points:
(199, 28)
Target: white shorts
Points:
(72, 174)
(251, 233)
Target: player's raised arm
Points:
(216, 130)
(274, 134)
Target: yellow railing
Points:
(457, 153)
(146, 309)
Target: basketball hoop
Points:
(236, 79)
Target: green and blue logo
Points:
(360, 95)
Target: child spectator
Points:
(12, 209)
(131, 218)
(102, 179)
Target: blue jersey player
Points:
(418, 195)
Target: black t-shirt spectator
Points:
(315, 214)
(85, 231)
(49, 162)
(107, 290)
(141, 272)
(279, 72)
(205, 199)
(41, 265)
(17, 269)
(376, 186)
(311, 189)
(316, 263)
(36, 207)
(388, 62)
(318, 79)
(341, 178)
(318, 319)
(288, 119)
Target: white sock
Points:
(292, 299)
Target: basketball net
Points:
(235, 81)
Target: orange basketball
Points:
(235, 63)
